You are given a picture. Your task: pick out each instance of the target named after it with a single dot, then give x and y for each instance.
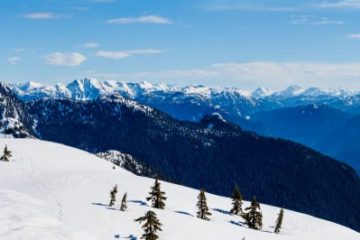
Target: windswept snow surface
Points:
(51, 191)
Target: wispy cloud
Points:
(19, 50)
(344, 4)
(251, 8)
(335, 4)
(126, 54)
(102, 1)
(81, 8)
(14, 60)
(314, 20)
(355, 36)
(274, 75)
(90, 45)
(42, 15)
(65, 59)
(148, 19)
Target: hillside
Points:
(212, 153)
(303, 124)
(290, 113)
(344, 142)
(50, 191)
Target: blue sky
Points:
(237, 43)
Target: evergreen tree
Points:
(6, 155)
(279, 221)
(203, 212)
(123, 206)
(157, 197)
(113, 196)
(236, 202)
(151, 226)
(254, 216)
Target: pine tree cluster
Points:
(152, 225)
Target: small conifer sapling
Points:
(6, 155)
(113, 196)
(253, 216)
(151, 226)
(156, 196)
(236, 202)
(279, 221)
(123, 206)
(203, 209)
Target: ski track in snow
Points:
(36, 178)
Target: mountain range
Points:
(313, 117)
(212, 153)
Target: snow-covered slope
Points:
(50, 191)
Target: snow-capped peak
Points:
(291, 91)
(30, 85)
(199, 90)
(314, 92)
(261, 92)
(146, 85)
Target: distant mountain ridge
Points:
(193, 102)
(308, 116)
(91, 88)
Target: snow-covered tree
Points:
(253, 216)
(123, 206)
(236, 201)
(157, 197)
(203, 212)
(151, 226)
(113, 196)
(6, 154)
(279, 221)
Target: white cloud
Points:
(275, 75)
(148, 19)
(65, 59)
(354, 36)
(344, 4)
(126, 54)
(91, 45)
(314, 20)
(42, 15)
(14, 60)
